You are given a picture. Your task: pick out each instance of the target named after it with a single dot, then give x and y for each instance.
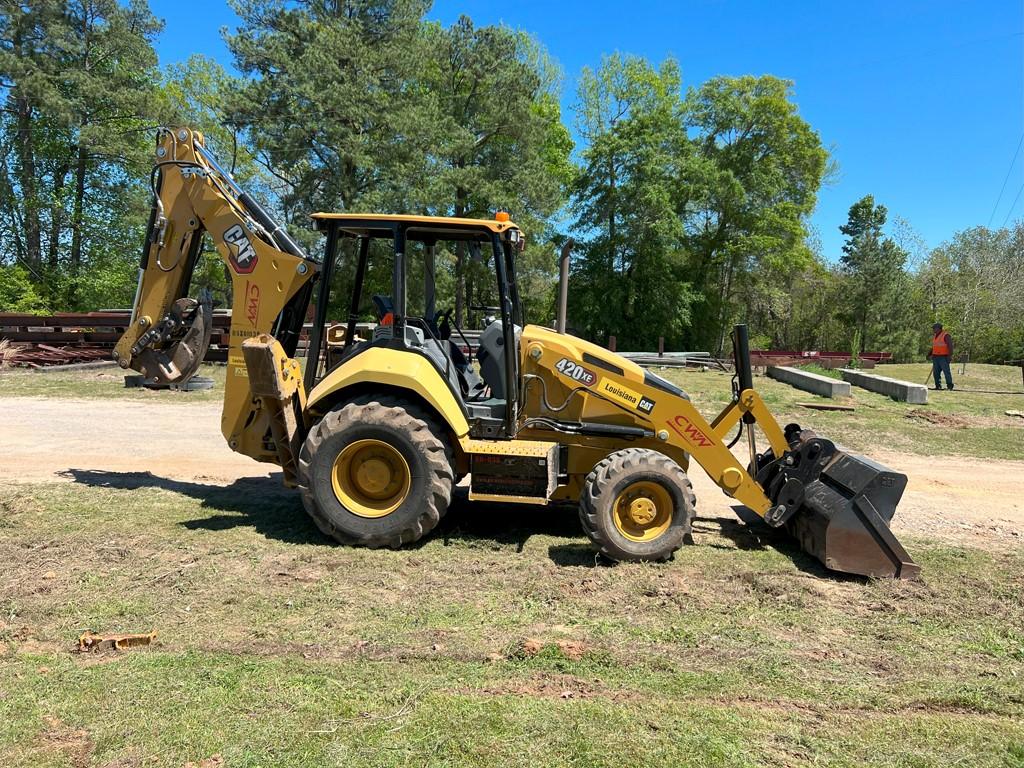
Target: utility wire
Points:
(1017, 197)
(1012, 206)
(1009, 171)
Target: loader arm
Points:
(271, 280)
(621, 393)
(837, 504)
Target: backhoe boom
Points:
(270, 281)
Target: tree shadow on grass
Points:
(261, 503)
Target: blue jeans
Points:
(940, 365)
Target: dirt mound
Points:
(940, 419)
(569, 649)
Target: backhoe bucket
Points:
(172, 351)
(844, 503)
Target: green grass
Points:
(831, 373)
(105, 383)
(969, 421)
(495, 642)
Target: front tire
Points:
(376, 472)
(637, 504)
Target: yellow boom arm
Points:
(837, 504)
(270, 277)
(621, 392)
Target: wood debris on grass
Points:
(91, 641)
(827, 406)
(7, 353)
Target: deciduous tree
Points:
(751, 183)
(630, 280)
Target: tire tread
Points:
(426, 436)
(603, 475)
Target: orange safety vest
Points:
(940, 343)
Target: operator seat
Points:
(491, 356)
(441, 351)
(383, 306)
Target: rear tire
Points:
(637, 504)
(388, 434)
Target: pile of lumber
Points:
(41, 355)
(67, 338)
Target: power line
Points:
(1002, 189)
(1015, 199)
(1012, 206)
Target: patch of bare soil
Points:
(74, 743)
(939, 419)
(978, 502)
(570, 649)
(42, 436)
(214, 761)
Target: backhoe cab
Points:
(382, 419)
(485, 389)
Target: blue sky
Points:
(920, 102)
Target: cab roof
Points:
(383, 224)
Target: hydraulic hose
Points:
(739, 434)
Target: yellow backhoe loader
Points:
(374, 432)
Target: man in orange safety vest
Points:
(941, 354)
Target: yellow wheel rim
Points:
(371, 478)
(643, 511)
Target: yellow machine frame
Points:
(571, 399)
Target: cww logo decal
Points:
(686, 430)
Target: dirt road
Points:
(969, 501)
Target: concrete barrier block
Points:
(810, 382)
(901, 391)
